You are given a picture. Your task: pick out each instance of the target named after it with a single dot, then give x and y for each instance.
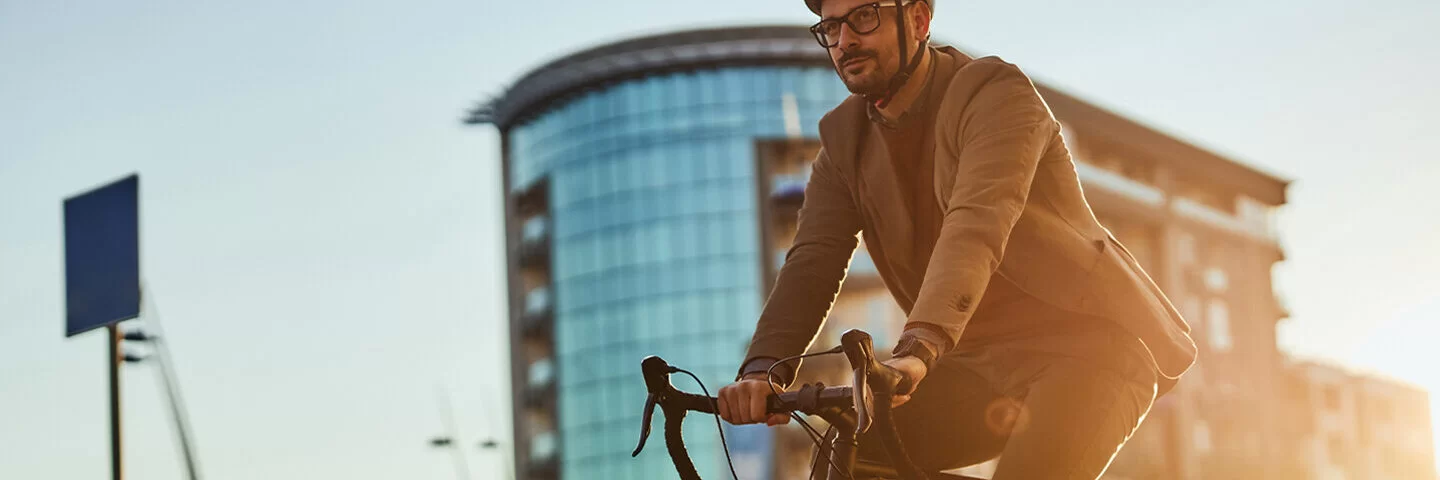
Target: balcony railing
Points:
(540, 396)
(1211, 217)
(533, 198)
(538, 322)
(1093, 176)
(535, 253)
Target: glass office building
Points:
(633, 205)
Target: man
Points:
(1032, 334)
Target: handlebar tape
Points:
(675, 443)
(891, 439)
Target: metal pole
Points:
(161, 342)
(462, 467)
(172, 390)
(115, 464)
(502, 448)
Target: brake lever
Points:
(861, 353)
(657, 383)
(645, 423)
(864, 400)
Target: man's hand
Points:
(912, 367)
(743, 402)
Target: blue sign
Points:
(102, 256)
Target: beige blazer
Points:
(1013, 207)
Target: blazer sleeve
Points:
(826, 236)
(996, 141)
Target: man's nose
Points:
(848, 38)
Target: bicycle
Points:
(850, 411)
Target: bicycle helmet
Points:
(907, 65)
(815, 5)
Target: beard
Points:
(870, 79)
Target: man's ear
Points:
(920, 20)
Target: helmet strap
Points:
(906, 67)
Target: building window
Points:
(1190, 308)
(1219, 325)
(1201, 437)
(1382, 410)
(543, 446)
(1185, 248)
(1255, 215)
(537, 299)
(1216, 281)
(534, 228)
(883, 325)
(1337, 449)
(541, 372)
(1332, 398)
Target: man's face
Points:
(867, 61)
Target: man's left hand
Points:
(912, 367)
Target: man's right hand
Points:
(743, 402)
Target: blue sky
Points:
(322, 235)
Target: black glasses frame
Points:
(848, 20)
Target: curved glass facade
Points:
(656, 248)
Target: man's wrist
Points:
(756, 376)
(759, 368)
(911, 346)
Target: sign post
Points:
(102, 276)
(116, 468)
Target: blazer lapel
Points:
(880, 192)
(888, 222)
